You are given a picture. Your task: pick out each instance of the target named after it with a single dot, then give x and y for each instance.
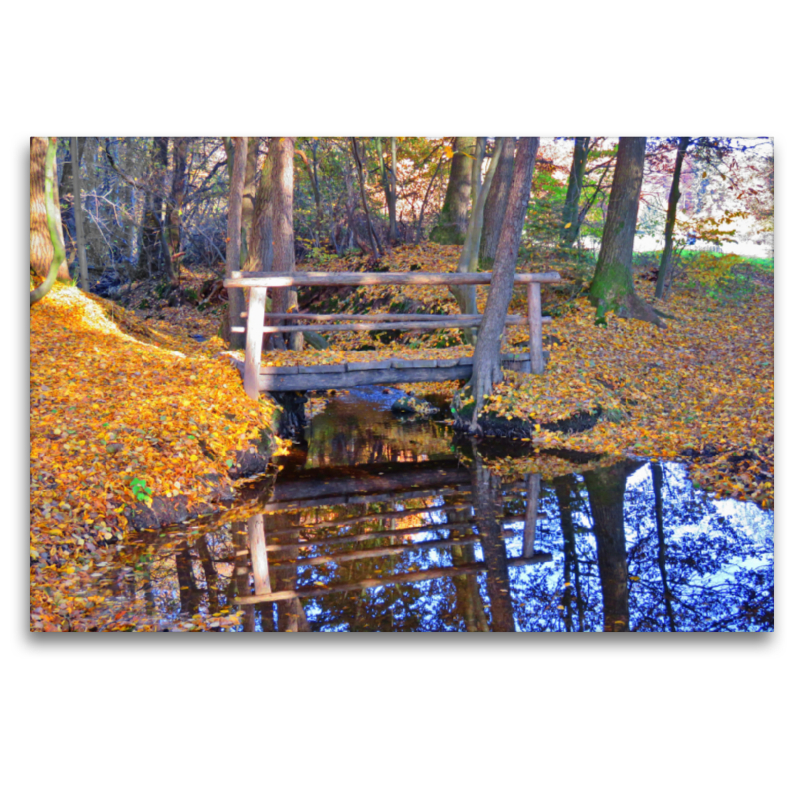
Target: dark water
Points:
(390, 525)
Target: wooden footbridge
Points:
(258, 378)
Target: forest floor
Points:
(127, 402)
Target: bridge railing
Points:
(260, 323)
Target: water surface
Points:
(384, 524)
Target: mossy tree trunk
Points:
(665, 267)
(496, 202)
(486, 370)
(41, 242)
(612, 287)
(454, 216)
(570, 217)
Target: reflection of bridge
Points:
(258, 378)
(277, 545)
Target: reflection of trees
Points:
(488, 503)
(567, 487)
(687, 567)
(469, 603)
(418, 548)
(291, 614)
(606, 489)
(658, 485)
(342, 436)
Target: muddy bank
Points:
(516, 428)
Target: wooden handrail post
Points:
(535, 326)
(255, 339)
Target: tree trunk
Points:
(151, 251)
(665, 267)
(418, 237)
(41, 243)
(249, 196)
(570, 217)
(394, 238)
(468, 261)
(486, 370)
(452, 225)
(612, 287)
(234, 240)
(496, 202)
(389, 182)
(373, 239)
(174, 207)
(311, 169)
(78, 211)
(283, 226)
(65, 184)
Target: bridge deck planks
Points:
(368, 373)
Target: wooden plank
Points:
(471, 318)
(408, 577)
(254, 342)
(286, 370)
(446, 322)
(367, 325)
(368, 365)
(280, 279)
(349, 379)
(314, 369)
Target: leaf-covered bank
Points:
(118, 426)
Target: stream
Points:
(390, 524)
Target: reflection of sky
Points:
(719, 564)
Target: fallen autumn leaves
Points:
(109, 415)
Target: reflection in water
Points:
(386, 525)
